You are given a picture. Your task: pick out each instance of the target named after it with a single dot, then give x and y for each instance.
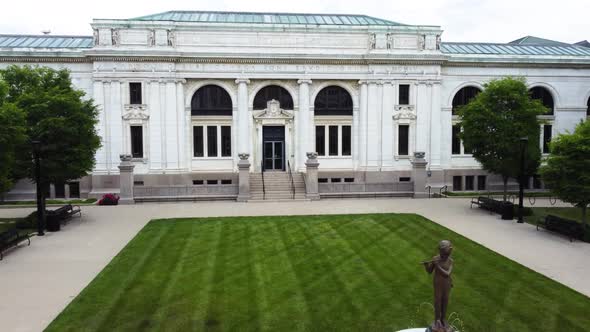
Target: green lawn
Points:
(311, 273)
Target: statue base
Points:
(423, 329)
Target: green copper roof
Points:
(513, 49)
(532, 40)
(44, 41)
(266, 18)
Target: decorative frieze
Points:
(135, 112)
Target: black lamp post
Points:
(523, 145)
(40, 205)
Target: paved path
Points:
(37, 282)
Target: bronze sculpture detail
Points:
(442, 266)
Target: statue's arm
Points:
(429, 266)
(446, 273)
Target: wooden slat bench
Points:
(570, 228)
(11, 238)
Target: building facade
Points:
(185, 93)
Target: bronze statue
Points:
(442, 266)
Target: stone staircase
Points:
(277, 185)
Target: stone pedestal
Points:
(311, 179)
(419, 175)
(244, 177)
(126, 180)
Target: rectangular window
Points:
(333, 140)
(74, 189)
(323, 180)
(320, 140)
(546, 137)
(481, 182)
(225, 181)
(403, 140)
(138, 183)
(198, 150)
(335, 180)
(346, 140)
(456, 145)
(211, 181)
(405, 179)
(137, 141)
(60, 190)
(469, 182)
(211, 141)
(349, 180)
(134, 93)
(457, 183)
(404, 94)
(198, 182)
(225, 141)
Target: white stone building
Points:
(185, 93)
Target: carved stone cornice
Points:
(304, 81)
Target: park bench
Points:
(570, 228)
(11, 238)
(61, 215)
(494, 206)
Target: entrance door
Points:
(273, 148)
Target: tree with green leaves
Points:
(567, 170)
(59, 117)
(12, 135)
(493, 124)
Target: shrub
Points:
(109, 199)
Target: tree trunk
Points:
(505, 178)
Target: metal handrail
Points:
(263, 186)
(291, 178)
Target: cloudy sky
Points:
(462, 20)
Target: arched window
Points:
(271, 92)
(588, 105)
(211, 100)
(542, 94)
(464, 96)
(333, 100)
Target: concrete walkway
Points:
(37, 282)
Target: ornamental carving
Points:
(273, 113)
(152, 38)
(372, 41)
(95, 37)
(135, 112)
(404, 112)
(115, 37)
(171, 38)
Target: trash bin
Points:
(52, 221)
(507, 211)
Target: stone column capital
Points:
(242, 81)
(304, 81)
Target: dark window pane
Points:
(464, 96)
(225, 181)
(137, 141)
(546, 138)
(404, 94)
(74, 189)
(211, 181)
(481, 182)
(135, 93)
(322, 180)
(348, 179)
(335, 180)
(225, 141)
(138, 183)
(211, 141)
(198, 141)
(405, 179)
(544, 96)
(457, 183)
(588, 109)
(403, 142)
(211, 100)
(60, 190)
(346, 140)
(271, 92)
(456, 145)
(333, 100)
(320, 140)
(333, 140)
(198, 182)
(469, 182)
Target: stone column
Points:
(243, 118)
(361, 131)
(126, 180)
(311, 178)
(419, 175)
(101, 154)
(302, 126)
(244, 177)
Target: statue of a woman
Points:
(442, 266)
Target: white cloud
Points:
(462, 20)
